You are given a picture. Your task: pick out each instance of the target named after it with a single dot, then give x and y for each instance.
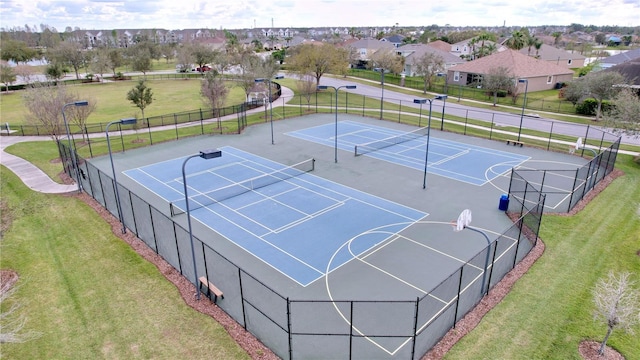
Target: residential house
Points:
(630, 70)
(413, 52)
(396, 39)
(621, 58)
(367, 47)
(539, 74)
(441, 45)
(555, 56)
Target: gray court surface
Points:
(443, 199)
(409, 262)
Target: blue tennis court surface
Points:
(297, 225)
(463, 162)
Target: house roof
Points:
(550, 53)
(442, 45)
(373, 44)
(629, 69)
(415, 51)
(622, 57)
(519, 65)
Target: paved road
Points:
(464, 111)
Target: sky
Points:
(243, 14)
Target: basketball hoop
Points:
(463, 220)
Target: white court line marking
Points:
(446, 304)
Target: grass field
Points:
(98, 311)
(170, 96)
(88, 294)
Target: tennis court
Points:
(459, 161)
(295, 222)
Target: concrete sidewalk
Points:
(37, 180)
(31, 175)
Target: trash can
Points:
(504, 202)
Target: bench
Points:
(515, 142)
(211, 289)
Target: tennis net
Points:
(390, 141)
(233, 190)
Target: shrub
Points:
(589, 106)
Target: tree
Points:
(575, 91)
(428, 66)
(317, 60)
(617, 304)
(601, 87)
(69, 53)
(17, 51)
(306, 86)
(214, 91)
(55, 71)
(388, 60)
(184, 58)
(100, 62)
(115, 59)
(518, 39)
(7, 76)
(202, 55)
(25, 72)
(78, 115)
(141, 55)
(141, 96)
(498, 78)
(556, 37)
(44, 102)
(623, 117)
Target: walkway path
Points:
(37, 180)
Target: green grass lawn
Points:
(170, 96)
(88, 294)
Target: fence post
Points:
(455, 316)
(289, 328)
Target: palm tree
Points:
(517, 40)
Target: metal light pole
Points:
(381, 71)
(426, 153)
(463, 223)
(73, 151)
(324, 87)
(206, 154)
(444, 99)
(524, 103)
(129, 121)
(420, 101)
(268, 81)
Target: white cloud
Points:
(171, 14)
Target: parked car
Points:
(204, 68)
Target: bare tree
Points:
(100, 62)
(497, 79)
(12, 321)
(428, 66)
(25, 72)
(214, 91)
(623, 117)
(306, 86)
(44, 104)
(78, 116)
(617, 304)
